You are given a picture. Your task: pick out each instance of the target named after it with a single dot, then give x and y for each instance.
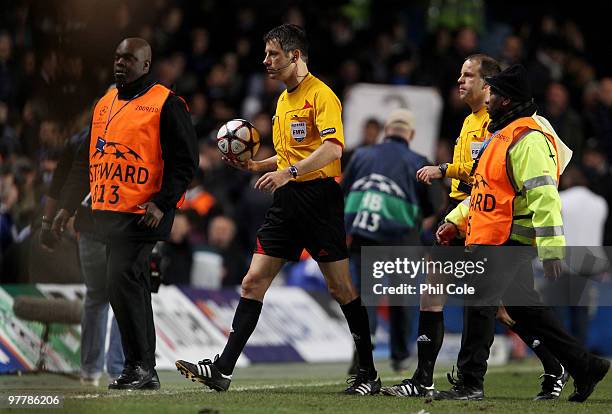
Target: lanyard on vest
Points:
(484, 145)
(109, 119)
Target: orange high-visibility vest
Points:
(125, 157)
(493, 189)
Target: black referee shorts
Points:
(306, 215)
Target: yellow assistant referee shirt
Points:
(305, 117)
(467, 147)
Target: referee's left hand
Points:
(429, 173)
(153, 215)
(271, 181)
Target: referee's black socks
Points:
(357, 317)
(243, 325)
(429, 342)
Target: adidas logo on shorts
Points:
(423, 338)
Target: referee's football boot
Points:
(206, 372)
(409, 387)
(552, 385)
(583, 388)
(460, 391)
(362, 384)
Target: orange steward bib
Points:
(493, 189)
(125, 157)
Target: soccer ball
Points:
(238, 140)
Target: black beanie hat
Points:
(512, 83)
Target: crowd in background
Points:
(56, 60)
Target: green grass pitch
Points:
(304, 388)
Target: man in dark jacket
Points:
(377, 177)
(140, 157)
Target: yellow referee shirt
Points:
(467, 146)
(305, 117)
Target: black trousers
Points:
(400, 317)
(130, 297)
(511, 281)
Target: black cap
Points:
(512, 83)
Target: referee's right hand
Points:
(248, 165)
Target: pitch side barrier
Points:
(486, 275)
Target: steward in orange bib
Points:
(137, 164)
(142, 149)
(514, 202)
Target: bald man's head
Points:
(132, 60)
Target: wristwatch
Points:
(443, 168)
(293, 171)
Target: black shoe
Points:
(460, 391)
(361, 384)
(598, 368)
(552, 385)
(135, 378)
(153, 384)
(409, 388)
(122, 381)
(205, 372)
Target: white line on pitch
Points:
(115, 394)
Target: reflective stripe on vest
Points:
(125, 162)
(490, 218)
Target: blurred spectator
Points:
(49, 70)
(564, 119)
(512, 52)
(200, 115)
(371, 133)
(578, 202)
(166, 36)
(263, 124)
(7, 75)
(222, 239)
(201, 60)
(547, 67)
(599, 175)
(350, 74)
(379, 57)
(579, 76)
(199, 205)
(50, 138)
(9, 194)
(9, 143)
(465, 43)
(434, 49)
(177, 252)
(599, 119)
(251, 207)
(262, 94)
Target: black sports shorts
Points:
(308, 215)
